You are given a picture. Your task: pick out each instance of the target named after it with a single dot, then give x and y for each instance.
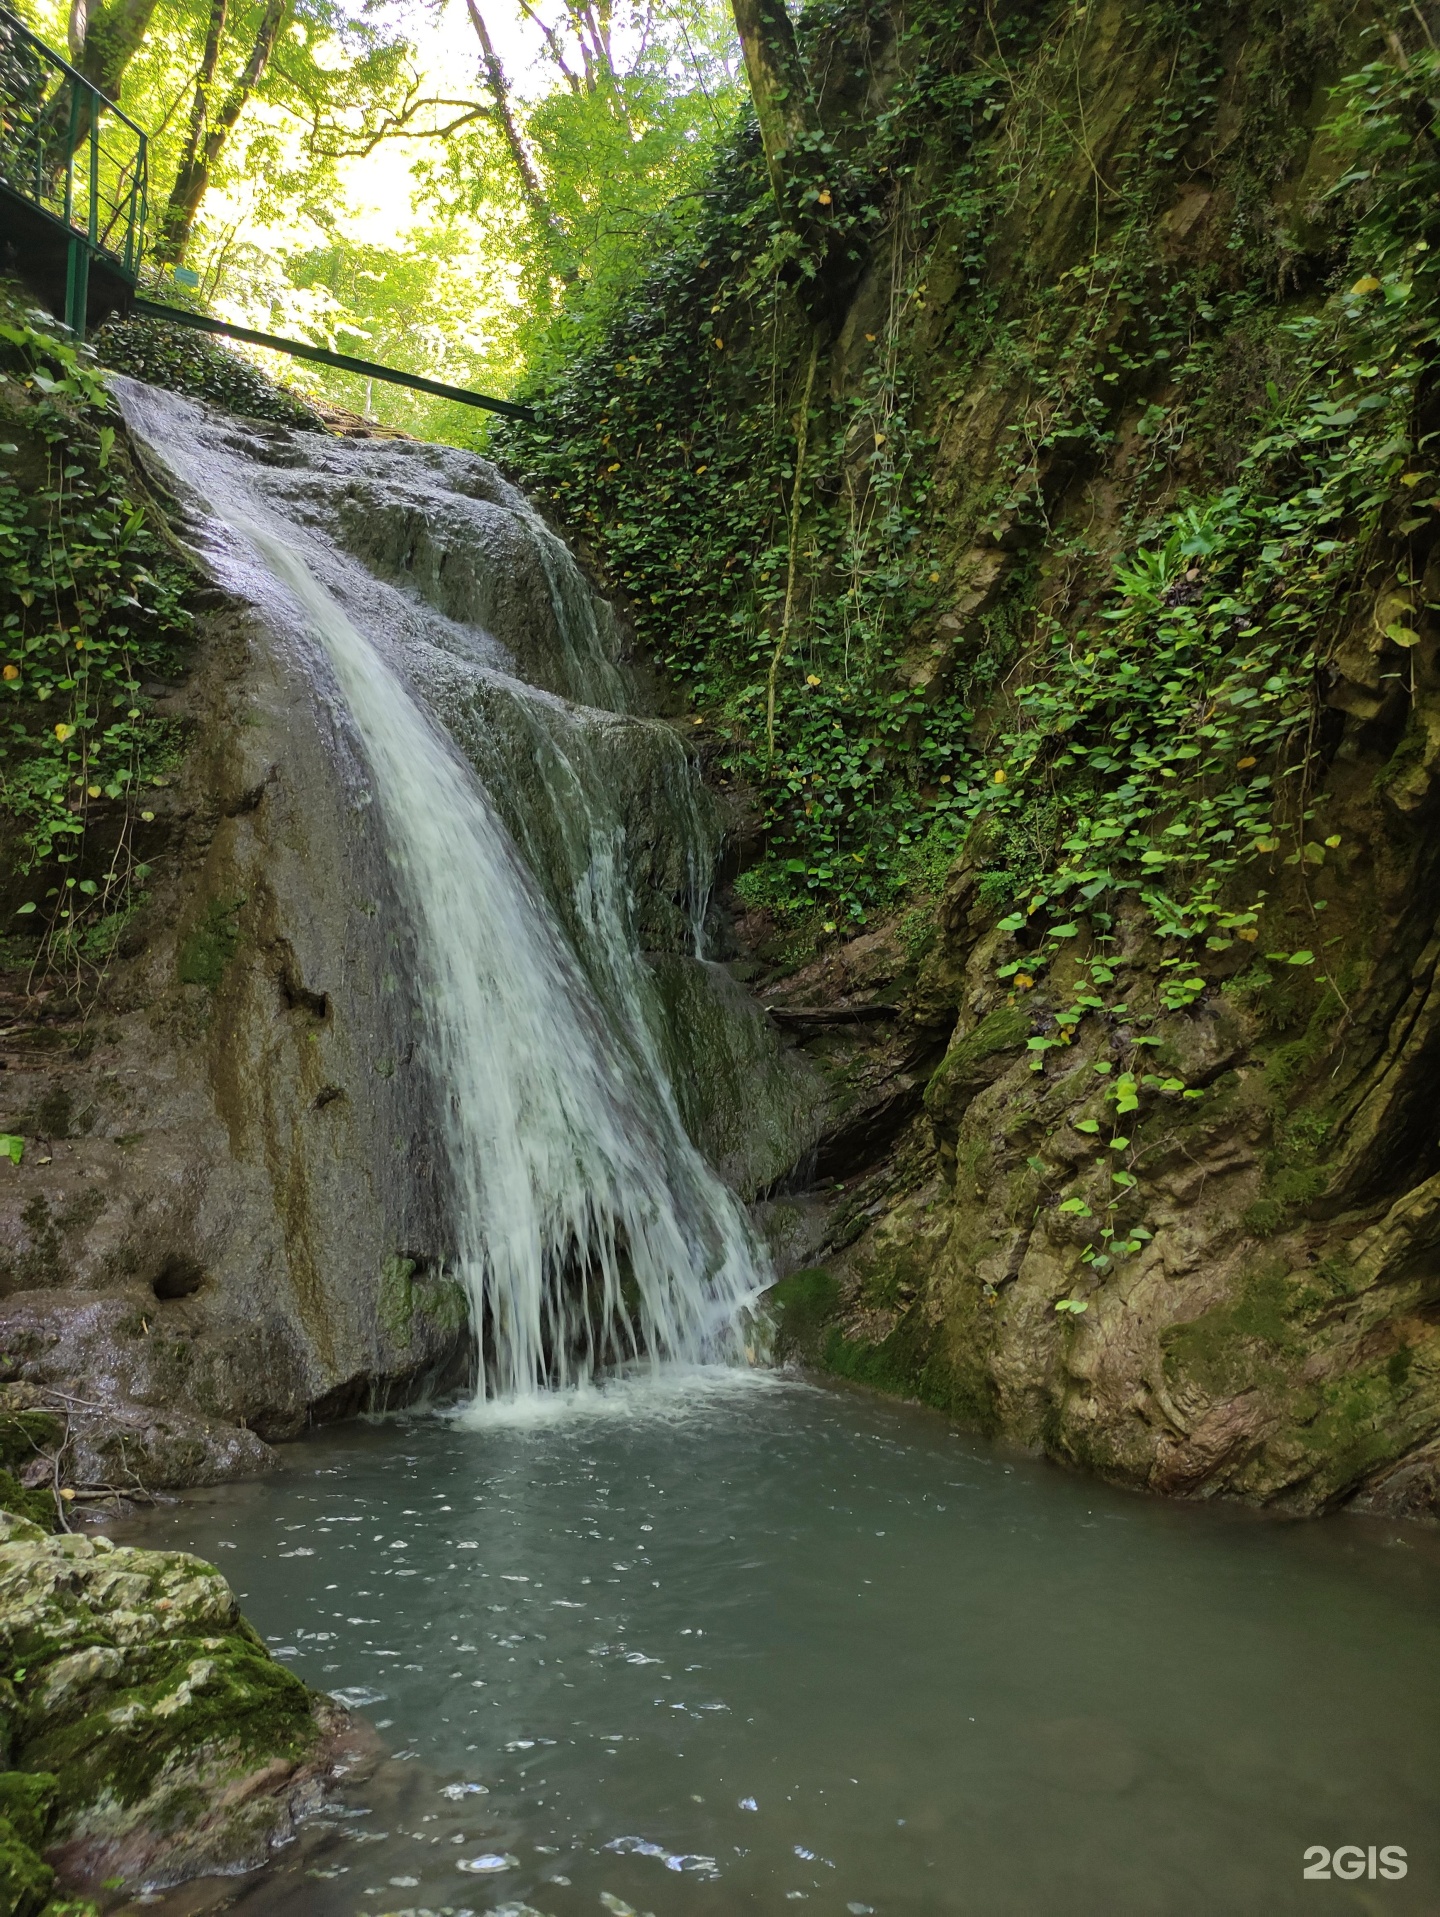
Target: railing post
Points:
(70, 155)
(142, 170)
(77, 284)
(93, 223)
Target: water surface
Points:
(740, 1644)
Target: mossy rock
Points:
(974, 1062)
(163, 1726)
(26, 1803)
(802, 1306)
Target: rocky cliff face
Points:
(227, 1215)
(1089, 664)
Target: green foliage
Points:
(1159, 739)
(681, 470)
(92, 610)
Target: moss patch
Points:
(26, 1880)
(803, 1305)
(969, 1065)
(1237, 1345)
(212, 944)
(408, 1293)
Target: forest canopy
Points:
(460, 188)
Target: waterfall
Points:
(587, 1230)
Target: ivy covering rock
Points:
(185, 361)
(94, 627)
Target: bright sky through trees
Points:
(459, 188)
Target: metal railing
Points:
(344, 362)
(69, 150)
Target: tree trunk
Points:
(532, 187)
(199, 115)
(76, 27)
(111, 38)
(102, 44)
(205, 149)
(778, 84)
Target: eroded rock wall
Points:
(1272, 1329)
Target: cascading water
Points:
(587, 1227)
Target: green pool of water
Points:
(742, 1645)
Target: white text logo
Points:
(1351, 1861)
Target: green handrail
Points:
(302, 349)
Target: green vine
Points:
(92, 612)
(1155, 737)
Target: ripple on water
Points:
(714, 1643)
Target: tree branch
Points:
(333, 140)
(572, 80)
(531, 184)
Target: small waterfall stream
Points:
(471, 659)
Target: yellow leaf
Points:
(62, 732)
(1249, 933)
(719, 346)
(812, 679)
(1367, 284)
(148, 817)
(1244, 765)
(1411, 479)
(12, 672)
(92, 791)
(1023, 982)
(1000, 778)
(1333, 840)
(824, 198)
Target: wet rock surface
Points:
(1272, 1334)
(227, 1217)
